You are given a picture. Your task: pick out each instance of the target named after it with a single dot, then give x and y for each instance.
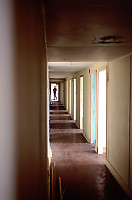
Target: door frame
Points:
(75, 99)
(80, 102)
(99, 70)
(97, 102)
(94, 72)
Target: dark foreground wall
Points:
(23, 127)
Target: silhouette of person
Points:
(54, 91)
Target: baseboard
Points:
(119, 179)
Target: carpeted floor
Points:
(83, 173)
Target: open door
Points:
(93, 108)
(74, 99)
(70, 99)
(102, 112)
(81, 102)
(67, 95)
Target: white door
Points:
(81, 102)
(74, 99)
(102, 112)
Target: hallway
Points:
(82, 171)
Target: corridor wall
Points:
(68, 81)
(119, 116)
(66, 94)
(70, 96)
(8, 124)
(119, 157)
(23, 102)
(131, 126)
(86, 97)
(86, 104)
(62, 92)
(85, 74)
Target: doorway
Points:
(54, 85)
(81, 102)
(70, 88)
(102, 112)
(93, 108)
(74, 99)
(67, 96)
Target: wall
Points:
(118, 124)
(86, 97)
(23, 86)
(131, 128)
(8, 108)
(66, 94)
(69, 95)
(68, 89)
(62, 92)
(86, 104)
(119, 119)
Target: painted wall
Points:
(131, 128)
(69, 95)
(8, 109)
(66, 94)
(23, 86)
(118, 124)
(62, 92)
(86, 105)
(68, 89)
(119, 116)
(69, 100)
(86, 98)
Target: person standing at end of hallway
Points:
(54, 91)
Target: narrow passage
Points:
(83, 173)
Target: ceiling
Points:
(86, 31)
(66, 69)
